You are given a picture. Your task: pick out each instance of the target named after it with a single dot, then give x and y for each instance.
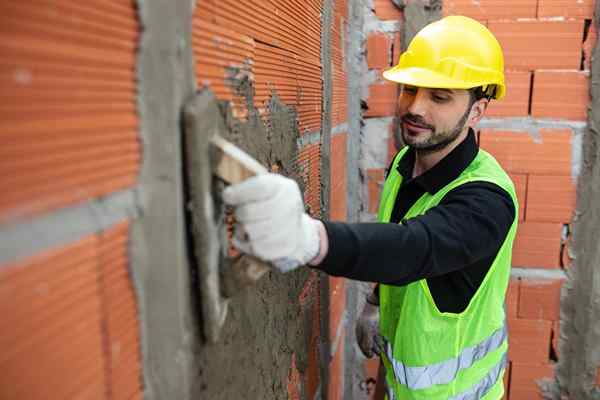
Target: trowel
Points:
(207, 156)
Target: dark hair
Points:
(479, 92)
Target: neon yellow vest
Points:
(433, 355)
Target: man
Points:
(441, 251)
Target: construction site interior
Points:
(102, 288)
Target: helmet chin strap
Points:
(490, 91)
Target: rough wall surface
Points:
(578, 371)
(278, 75)
(536, 133)
(160, 262)
(85, 89)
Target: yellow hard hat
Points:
(455, 52)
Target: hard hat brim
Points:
(422, 77)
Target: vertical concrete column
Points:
(577, 374)
(158, 245)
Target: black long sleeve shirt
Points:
(452, 245)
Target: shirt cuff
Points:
(342, 249)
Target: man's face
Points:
(432, 118)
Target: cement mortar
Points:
(418, 14)
(327, 15)
(356, 67)
(272, 141)
(265, 324)
(579, 342)
(158, 245)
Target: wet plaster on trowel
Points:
(265, 324)
(579, 342)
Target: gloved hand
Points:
(272, 224)
(367, 331)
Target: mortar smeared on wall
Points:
(265, 324)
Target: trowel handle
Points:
(243, 271)
(233, 165)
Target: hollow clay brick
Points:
(550, 198)
(540, 299)
(379, 46)
(529, 341)
(487, 10)
(516, 101)
(560, 94)
(538, 44)
(518, 152)
(537, 245)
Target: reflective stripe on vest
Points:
(481, 388)
(446, 371)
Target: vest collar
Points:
(445, 171)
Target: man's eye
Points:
(410, 90)
(440, 99)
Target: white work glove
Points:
(271, 222)
(367, 331)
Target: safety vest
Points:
(433, 355)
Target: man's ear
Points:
(477, 111)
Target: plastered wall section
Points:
(69, 159)
(294, 52)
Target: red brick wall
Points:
(71, 322)
(547, 49)
(278, 44)
(68, 106)
(544, 46)
(70, 135)
(382, 50)
(338, 194)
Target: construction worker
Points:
(441, 250)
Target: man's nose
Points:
(418, 104)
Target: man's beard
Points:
(437, 141)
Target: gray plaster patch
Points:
(25, 237)
(537, 273)
(308, 139)
(579, 343)
(374, 24)
(356, 68)
(203, 122)
(368, 77)
(376, 134)
(266, 323)
(327, 17)
(417, 14)
(158, 249)
(341, 128)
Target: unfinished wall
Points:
(578, 372)
(97, 272)
(536, 133)
(265, 60)
(70, 156)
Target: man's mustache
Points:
(416, 120)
